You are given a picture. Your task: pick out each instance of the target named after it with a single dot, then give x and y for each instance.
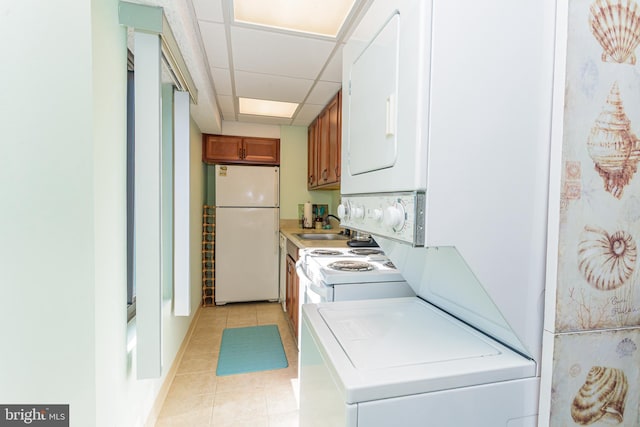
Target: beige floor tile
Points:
(197, 397)
(284, 420)
(198, 362)
(240, 383)
(197, 347)
(281, 400)
(186, 406)
(247, 405)
(241, 323)
(198, 418)
(192, 384)
(241, 421)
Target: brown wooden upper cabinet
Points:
(224, 149)
(324, 146)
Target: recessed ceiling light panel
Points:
(308, 16)
(263, 107)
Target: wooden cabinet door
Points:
(261, 150)
(332, 176)
(325, 146)
(225, 149)
(221, 149)
(312, 157)
(338, 150)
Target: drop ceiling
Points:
(229, 59)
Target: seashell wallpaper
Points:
(593, 322)
(616, 26)
(593, 384)
(614, 148)
(598, 280)
(602, 397)
(606, 261)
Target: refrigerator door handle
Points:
(276, 227)
(277, 189)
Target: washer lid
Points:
(401, 334)
(384, 348)
(442, 277)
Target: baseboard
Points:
(164, 389)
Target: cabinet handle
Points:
(244, 153)
(325, 174)
(337, 172)
(239, 153)
(310, 181)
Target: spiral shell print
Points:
(616, 26)
(606, 260)
(614, 148)
(601, 397)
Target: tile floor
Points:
(197, 397)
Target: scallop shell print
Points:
(616, 26)
(615, 150)
(601, 397)
(626, 348)
(606, 260)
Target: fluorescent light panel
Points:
(308, 16)
(263, 107)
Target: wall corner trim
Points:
(151, 19)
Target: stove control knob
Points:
(378, 215)
(394, 217)
(358, 212)
(343, 211)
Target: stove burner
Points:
(325, 252)
(366, 251)
(351, 266)
(389, 264)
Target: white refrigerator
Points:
(246, 233)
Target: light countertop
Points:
(289, 228)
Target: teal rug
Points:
(251, 349)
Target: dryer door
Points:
(372, 100)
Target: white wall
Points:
(47, 219)
(63, 216)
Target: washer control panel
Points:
(398, 216)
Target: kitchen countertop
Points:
(290, 228)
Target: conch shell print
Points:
(614, 149)
(601, 397)
(616, 26)
(606, 260)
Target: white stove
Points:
(330, 274)
(347, 274)
(343, 266)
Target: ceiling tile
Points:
(208, 10)
(276, 88)
(276, 53)
(323, 92)
(228, 116)
(263, 119)
(307, 113)
(215, 44)
(222, 81)
(333, 72)
(226, 104)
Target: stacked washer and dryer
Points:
(445, 161)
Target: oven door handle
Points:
(324, 292)
(300, 272)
